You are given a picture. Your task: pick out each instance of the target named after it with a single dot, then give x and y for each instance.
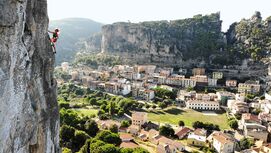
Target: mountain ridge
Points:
(72, 31)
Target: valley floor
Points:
(173, 115)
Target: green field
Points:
(86, 112)
(173, 115)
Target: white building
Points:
(145, 94)
(265, 106)
(166, 87)
(221, 142)
(237, 107)
(126, 89)
(267, 96)
(212, 82)
(65, 66)
(188, 83)
(240, 97)
(197, 138)
(202, 105)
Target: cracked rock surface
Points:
(29, 117)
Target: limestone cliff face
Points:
(91, 44)
(29, 118)
(163, 42)
(250, 38)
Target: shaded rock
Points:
(29, 117)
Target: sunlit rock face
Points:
(29, 118)
(178, 42)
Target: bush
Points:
(66, 135)
(166, 131)
(207, 126)
(100, 112)
(109, 137)
(109, 148)
(245, 143)
(120, 112)
(114, 128)
(125, 123)
(233, 124)
(69, 117)
(164, 93)
(153, 106)
(66, 150)
(64, 105)
(86, 147)
(103, 117)
(162, 105)
(92, 101)
(79, 139)
(94, 146)
(181, 123)
(91, 128)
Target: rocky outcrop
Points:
(250, 38)
(91, 44)
(163, 42)
(29, 117)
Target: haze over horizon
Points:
(108, 12)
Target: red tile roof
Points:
(251, 117)
(182, 131)
(126, 136)
(128, 145)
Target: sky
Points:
(110, 11)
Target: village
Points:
(246, 104)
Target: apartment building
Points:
(249, 87)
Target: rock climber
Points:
(54, 38)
